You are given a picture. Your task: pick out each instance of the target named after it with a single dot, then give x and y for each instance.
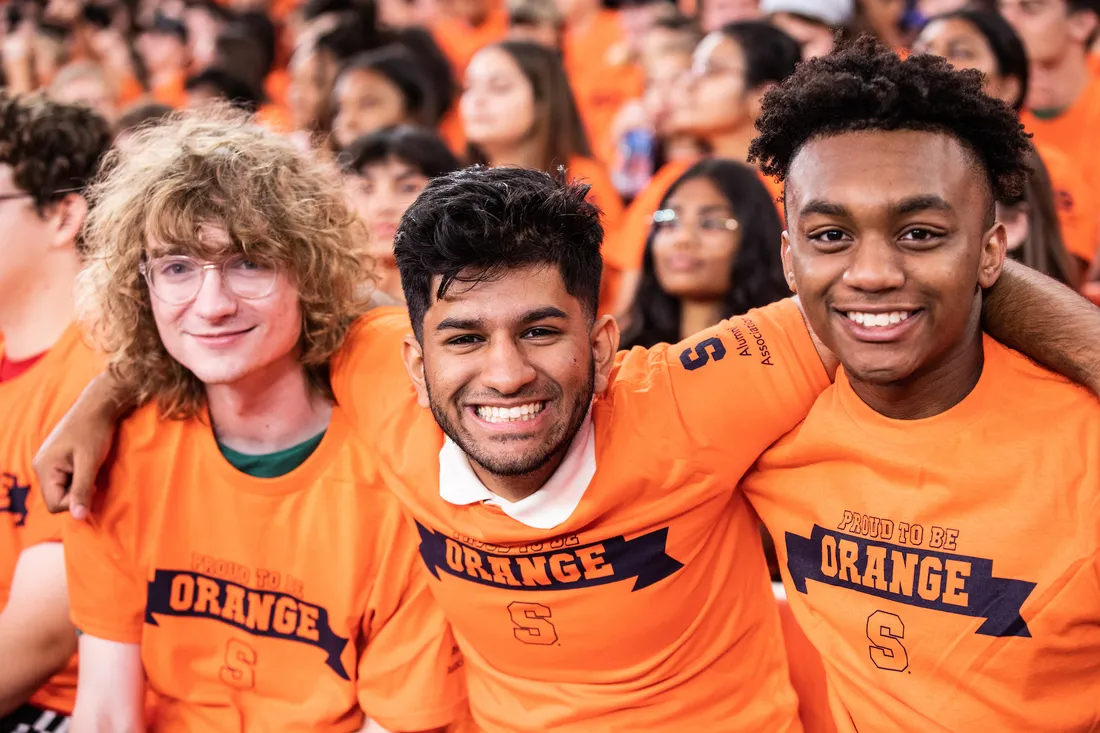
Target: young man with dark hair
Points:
(577, 508)
(48, 152)
(937, 514)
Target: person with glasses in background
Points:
(243, 561)
(48, 152)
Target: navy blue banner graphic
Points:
(260, 613)
(598, 563)
(17, 498)
(940, 581)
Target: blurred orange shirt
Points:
(600, 84)
(295, 602)
(648, 608)
(1078, 216)
(34, 402)
(603, 193)
(460, 41)
(948, 568)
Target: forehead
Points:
(878, 168)
(717, 46)
(696, 192)
(951, 29)
(506, 298)
(493, 61)
(388, 168)
(7, 179)
(210, 241)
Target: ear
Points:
(605, 345)
(755, 98)
(1082, 24)
(788, 262)
(412, 353)
(67, 218)
(992, 257)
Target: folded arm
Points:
(110, 692)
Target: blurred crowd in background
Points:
(651, 102)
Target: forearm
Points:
(110, 691)
(32, 654)
(105, 398)
(1047, 321)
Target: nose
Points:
(214, 301)
(507, 369)
(874, 267)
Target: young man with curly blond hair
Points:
(241, 561)
(48, 152)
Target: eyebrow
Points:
(910, 205)
(478, 324)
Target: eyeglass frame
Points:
(143, 268)
(731, 224)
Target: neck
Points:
(523, 154)
(683, 147)
(696, 316)
(1059, 83)
(928, 392)
(516, 488)
(270, 410)
(37, 310)
(732, 144)
(163, 77)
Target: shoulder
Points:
(1033, 389)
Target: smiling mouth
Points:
(517, 413)
(879, 320)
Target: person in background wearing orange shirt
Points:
(464, 27)
(245, 560)
(537, 21)
(937, 514)
(1063, 104)
(983, 40)
(163, 50)
(48, 152)
(518, 109)
(718, 103)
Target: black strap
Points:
(32, 719)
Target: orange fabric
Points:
(947, 569)
(275, 118)
(276, 87)
(1094, 63)
(262, 604)
(34, 402)
(130, 91)
(807, 675)
(650, 608)
(1078, 217)
(460, 41)
(1092, 292)
(628, 247)
(600, 84)
(1073, 134)
(173, 92)
(603, 193)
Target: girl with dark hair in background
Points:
(518, 109)
(713, 253)
(1055, 222)
(384, 172)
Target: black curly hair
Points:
(477, 224)
(53, 149)
(868, 87)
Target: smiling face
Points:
(224, 339)
(890, 237)
(509, 368)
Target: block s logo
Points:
(700, 358)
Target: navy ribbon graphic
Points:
(997, 600)
(642, 558)
(159, 602)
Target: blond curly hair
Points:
(215, 168)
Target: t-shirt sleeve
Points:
(410, 673)
(106, 590)
(731, 390)
(368, 374)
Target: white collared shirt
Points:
(546, 508)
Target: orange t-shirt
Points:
(649, 607)
(603, 193)
(1078, 216)
(600, 84)
(34, 402)
(947, 569)
(628, 246)
(460, 41)
(294, 602)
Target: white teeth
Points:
(509, 414)
(878, 320)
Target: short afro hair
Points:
(868, 87)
